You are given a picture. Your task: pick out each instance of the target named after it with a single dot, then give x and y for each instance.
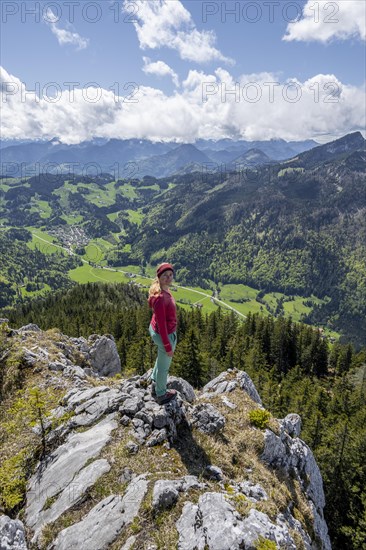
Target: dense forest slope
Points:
(290, 229)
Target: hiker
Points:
(162, 330)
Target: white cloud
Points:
(63, 36)
(159, 68)
(256, 106)
(167, 23)
(323, 21)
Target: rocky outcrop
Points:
(104, 356)
(12, 536)
(294, 457)
(228, 381)
(105, 521)
(212, 508)
(63, 474)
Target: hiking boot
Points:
(153, 389)
(167, 397)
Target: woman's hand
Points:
(170, 353)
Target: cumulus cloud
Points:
(159, 68)
(323, 21)
(63, 36)
(167, 23)
(255, 106)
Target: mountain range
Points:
(139, 157)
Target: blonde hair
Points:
(155, 287)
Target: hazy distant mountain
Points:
(186, 155)
(140, 156)
(253, 157)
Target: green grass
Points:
(96, 250)
(42, 207)
(135, 216)
(72, 219)
(236, 292)
(38, 241)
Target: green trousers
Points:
(163, 361)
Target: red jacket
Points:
(164, 319)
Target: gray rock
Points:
(212, 524)
(125, 420)
(296, 458)
(131, 406)
(72, 494)
(129, 543)
(165, 493)
(4, 320)
(157, 437)
(225, 383)
(132, 447)
(102, 525)
(31, 327)
(184, 388)
(227, 402)
(207, 418)
(213, 472)
(291, 424)
(258, 525)
(29, 357)
(58, 472)
(246, 384)
(89, 405)
(160, 418)
(56, 366)
(12, 536)
(127, 475)
(253, 491)
(74, 371)
(104, 356)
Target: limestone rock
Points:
(213, 523)
(294, 456)
(226, 382)
(184, 388)
(166, 491)
(102, 525)
(291, 424)
(104, 356)
(258, 525)
(207, 418)
(31, 327)
(57, 473)
(12, 535)
(72, 494)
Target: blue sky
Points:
(179, 60)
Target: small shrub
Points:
(259, 418)
(13, 480)
(265, 544)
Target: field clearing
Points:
(42, 207)
(38, 241)
(237, 292)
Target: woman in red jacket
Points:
(162, 330)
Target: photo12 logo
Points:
(268, 11)
(53, 12)
(253, 92)
(53, 92)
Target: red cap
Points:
(163, 267)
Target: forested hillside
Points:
(292, 230)
(297, 228)
(22, 268)
(293, 367)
